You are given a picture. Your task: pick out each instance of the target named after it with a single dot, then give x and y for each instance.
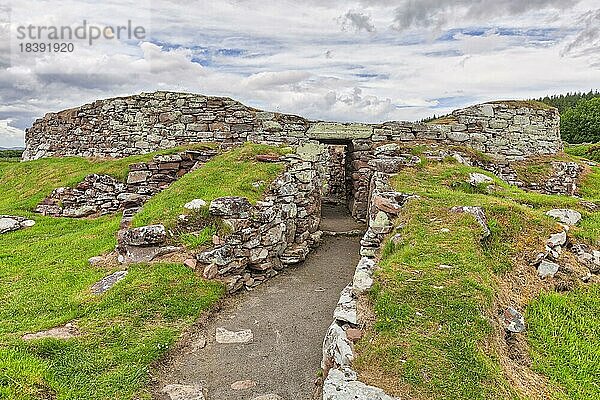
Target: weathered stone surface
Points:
(547, 269)
(343, 386)
(479, 215)
(67, 331)
(183, 392)
(557, 239)
(225, 336)
(108, 282)
(476, 178)
(336, 347)
(363, 280)
(513, 320)
(565, 216)
(9, 223)
(333, 130)
(232, 207)
(153, 121)
(145, 236)
(346, 307)
(195, 205)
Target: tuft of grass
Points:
(563, 333)
(534, 104)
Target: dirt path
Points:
(288, 316)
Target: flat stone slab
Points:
(565, 215)
(547, 269)
(67, 331)
(332, 130)
(341, 386)
(108, 282)
(225, 336)
(9, 223)
(183, 392)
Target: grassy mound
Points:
(435, 331)
(45, 280)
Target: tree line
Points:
(579, 115)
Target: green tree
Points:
(581, 124)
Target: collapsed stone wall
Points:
(103, 194)
(148, 122)
(265, 237)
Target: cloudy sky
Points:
(370, 60)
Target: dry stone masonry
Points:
(277, 231)
(148, 122)
(103, 194)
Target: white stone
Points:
(225, 336)
(343, 386)
(336, 347)
(346, 307)
(28, 223)
(476, 178)
(566, 216)
(557, 239)
(547, 269)
(8, 224)
(195, 205)
(183, 392)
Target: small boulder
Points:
(565, 216)
(8, 225)
(476, 179)
(547, 269)
(150, 235)
(195, 205)
(557, 239)
(513, 320)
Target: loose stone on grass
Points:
(67, 331)
(547, 269)
(565, 216)
(108, 282)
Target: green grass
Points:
(45, 280)
(534, 104)
(229, 174)
(432, 332)
(563, 333)
(589, 151)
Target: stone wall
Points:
(103, 194)
(265, 237)
(151, 121)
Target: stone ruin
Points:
(348, 163)
(120, 127)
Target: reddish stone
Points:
(353, 334)
(267, 158)
(190, 263)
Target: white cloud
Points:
(10, 136)
(293, 57)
